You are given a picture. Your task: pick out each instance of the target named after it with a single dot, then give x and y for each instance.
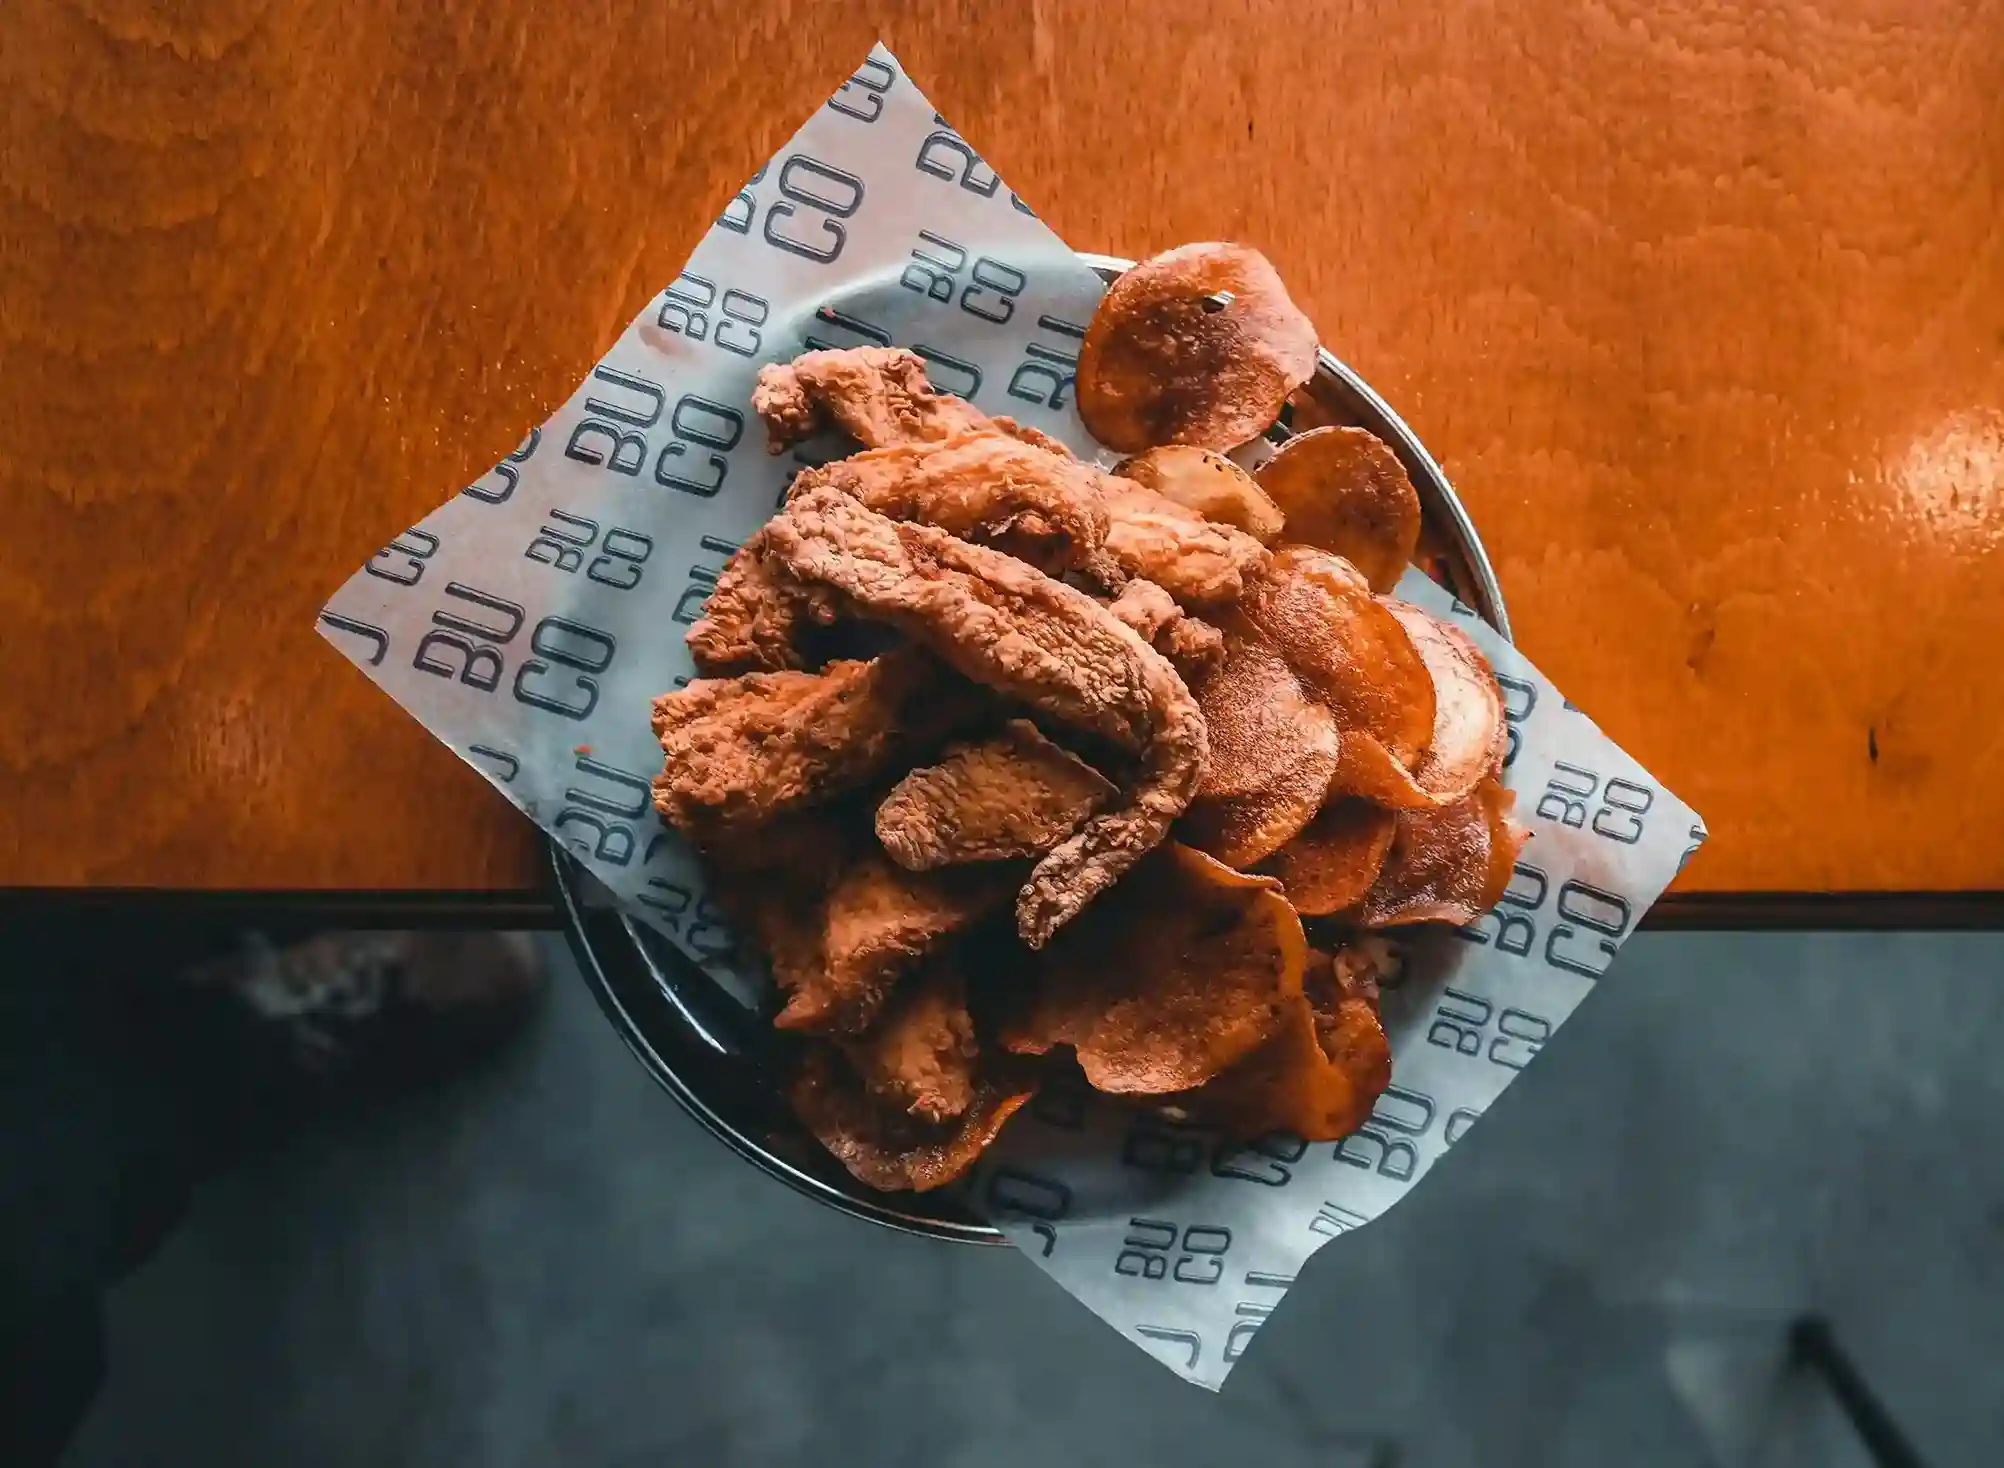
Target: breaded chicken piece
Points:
(877, 923)
(982, 486)
(891, 1149)
(740, 751)
(1005, 624)
(1013, 794)
(876, 395)
(754, 619)
(996, 483)
(920, 1053)
(1199, 562)
(1194, 646)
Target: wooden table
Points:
(1701, 306)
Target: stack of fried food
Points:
(997, 754)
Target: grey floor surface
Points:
(547, 1264)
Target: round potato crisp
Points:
(1448, 865)
(1208, 483)
(1181, 969)
(1348, 650)
(1336, 857)
(1469, 735)
(1316, 1079)
(1255, 712)
(1165, 361)
(1344, 491)
(1242, 829)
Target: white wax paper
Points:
(529, 622)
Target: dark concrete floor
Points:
(546, 1263)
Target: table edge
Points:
(538, 908)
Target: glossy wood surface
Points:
(1701, 306)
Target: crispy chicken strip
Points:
(979, 485)
(876, 395)
(920, 1053)
(740, 751)
(1195, 647)
(754, 618)
(1005, 624)
(890, 1149)
(1014, 794)
(877, 923)
(1197, 561)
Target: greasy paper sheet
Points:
(530, 621)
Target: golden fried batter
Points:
(1005, 624)
(1013, 794)
(1197, 561)
(982, 486)
(754, 618)
(889, 1148)
(876, 395)
(877, 923)
(740, 751)
(920, 1052)
(1195, 647)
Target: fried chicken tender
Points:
(1005, 624)
(876, 395)
(740, 751)
(980, 485)
(1195, 647)
(877, 923)
(920, 1053)
(891, 1149)
(754, 618)
(1199, 562)
(1014, 794)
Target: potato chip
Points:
(1448, 865)
(1316, 1079)
(1242, 829)
(1339, 573)
(1344, 491)
(1469, 735)
(1255, 712)
(1165, 361)
(1208, 483)
(887, 1147)
(1336, 857)
(1348, 650)
(1168, 978)
(1506, 842)
(1366, 769)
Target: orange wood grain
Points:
(1701, 306)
